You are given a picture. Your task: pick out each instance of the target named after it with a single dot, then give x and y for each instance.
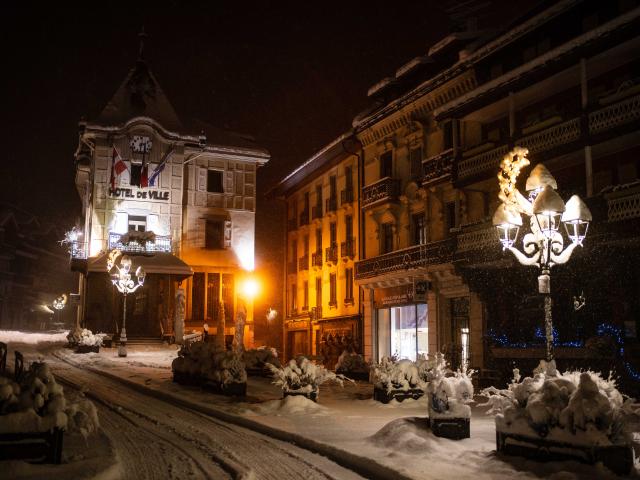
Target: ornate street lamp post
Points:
(121, 278)
(59, 303)
(544, 245)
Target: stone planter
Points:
(617, 458)
(41, 447)
(384, 396)
(88, 349)
(312, 395)
(451, 428)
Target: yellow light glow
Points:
(250, 288)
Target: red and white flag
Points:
(117, 166)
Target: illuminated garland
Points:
(510, 166)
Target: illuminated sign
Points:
(130, 193)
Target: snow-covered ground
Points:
(346, 419)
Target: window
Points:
(332, 188)
(333, 294)
(137, 223)
(386, 164)
(333, 235)
(451, 216)
(348, 179)
(415, 159)
(318, 292)
(318, 239)
(387, 238)
(348, 227)
(293, 297)
(447, 133)
(348, 285)
(294, 250)
(305, 295)
(214, 235)
(419, 229)
(213, 296)
(197, 297)
(136, 174)
(306, 202)
(306, 245)
(228, 296)
(214, 181)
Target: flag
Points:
(159, 169)
(118, 164)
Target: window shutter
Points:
(122, 222)
(228, 182)
(153, 224)
(202, 179)
(227, 234)
(200, 233)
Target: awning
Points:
(159, 262)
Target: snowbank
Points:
(302, 376)
(84, 336)
(291, 405)
(15, 336)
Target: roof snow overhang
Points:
(160, 263)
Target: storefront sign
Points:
(393, 296)
(158, 195)
(298, 325)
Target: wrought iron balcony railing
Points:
(304, 218)
(78, 250)
(347, 249)
(614, 115)
(316, 259)
(331, 204)
(331, 254)
(412, 257)
(346, 196)
(303, 263)
(438, 167)
(161, 243)
(316, 212)
(386, 189)
(477, 237)
(623, 204)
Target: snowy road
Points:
(156, 439)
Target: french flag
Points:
(156, 173)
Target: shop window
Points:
(197, 297)
(403, 331)
(137, 223)
(215, 181)
(386, 240)
(348, 286)
(333, 294)
(386, 164)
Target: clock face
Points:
(140, 144)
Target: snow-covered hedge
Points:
(38, 404)
(208, 362)
(393, 374)
(448, 392)
(576, 407)
(84, 336)
(257, 358)
(351, 362)
(300, 375)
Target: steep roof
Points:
(140, 95)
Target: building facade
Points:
(322, 302)
(179, 198)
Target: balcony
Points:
(331, 204)
(437, 168)
(623, 203)
(384, 190)
(482, 236)
(347, 249)
(291, 268)
(331, 254)
(291, 224)
(614, 115)
(303, 263)
(139, 242)
(316, 259)
(304, 218)
(413, 257)
(346, 196)
(316, 212)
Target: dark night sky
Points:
(291, 74)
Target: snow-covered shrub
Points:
(392, 374)
(302, 376)
(84, 336)
(349, 362)
(257, 358)
(38, 404)
(141, 238)
(448, 392)
(578, 407)
(208, 362)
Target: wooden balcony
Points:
(615, 115)
(437, 168)
(384, 190)
(303, 263)
(347, 249)
(413, 257)
(331, 254)
(316, 259)
(346, 196)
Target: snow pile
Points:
(351, 362)
(84, 336)
(290, 405)
(392, 374)
(257, 358)
(580, 408)
(208, 362)
(38, 404)
(14, 336)
(302, 376)
(407, 434)
(449, 392)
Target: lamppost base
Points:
(122, 345)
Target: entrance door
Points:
(459, 352)
(297, 343)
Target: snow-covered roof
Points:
(412, 64)
(381, 85)
(160, 262)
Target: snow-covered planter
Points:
(141, 238)
(397, 379)
(353, 365)
(85, 341)
(572, 415)
(449, 394)
(256, 360)
(302, 377)
(206, 365)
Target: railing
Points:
(291, 224)
(469, 167)
(316, 212)
(484, 236)
(161, 243)
(78, 250)
(291, 267)
(316, 259)
(623, 204)
(614, 115)
(303, 263)
(347, 248)
(331, 204)
(438, 167)
(331, 254)
(413, 257)
(304, 218)
(383, 190)
(346, 196)
(552, 137)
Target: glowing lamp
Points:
(250, 288)
(576, 218)
(539, 178)
(547, 209)
(508, 222)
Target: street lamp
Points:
(59, 303)
(544, 245)
(121, 278)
